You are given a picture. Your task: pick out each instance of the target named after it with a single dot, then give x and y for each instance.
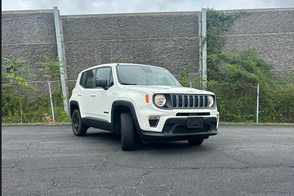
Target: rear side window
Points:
(87, 79)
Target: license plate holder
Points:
(195, 122)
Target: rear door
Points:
(86, 95)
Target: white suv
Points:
(142, 103)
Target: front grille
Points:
(179, 126)
(184, 129)
(178, 129)
(194, 114)
(189, 101)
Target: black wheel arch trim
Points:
(129, 105)
(75, 103)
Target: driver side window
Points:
(105, 73)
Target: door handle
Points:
(79, 94)
(93, 95)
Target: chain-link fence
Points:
(241, 102)
(236, 102)
(22, 104)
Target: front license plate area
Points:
(195, 122)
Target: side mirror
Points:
(101, 83)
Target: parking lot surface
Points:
(240, 160)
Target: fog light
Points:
(153, 120)
(153, 117)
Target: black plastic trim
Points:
(128, 105)
(147, 135)
(75, 103)
(163, 136)
(93, 122)
(97, 123)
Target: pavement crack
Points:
(16, 165)
(246, 164)
(106, 158)
(245, 152)
(53, 184)
(29, 146)
(108, 155)
(249, 153)
(142, 178)
(137, 191)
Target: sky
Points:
(78, 7)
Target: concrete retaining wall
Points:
(170, 40)
(271, 32)
(29, 34)
(165, 39)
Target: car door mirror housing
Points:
(101, 83)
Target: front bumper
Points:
(178, 129)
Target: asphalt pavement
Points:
(240, 160)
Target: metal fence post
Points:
(257, 103)
(204, 47)
(61, 55)
(52, 109)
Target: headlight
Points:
(210, 101)
(160, 100)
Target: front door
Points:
(103, 98)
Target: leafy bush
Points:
(16, 107)
(32, 111)
(237, 91)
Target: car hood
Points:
(167, 89)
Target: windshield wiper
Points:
(123, 83)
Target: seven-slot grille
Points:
(189, 101)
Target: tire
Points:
(195, 142)
(127, 132)
(77, 127)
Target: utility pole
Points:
(204, 47)
(62, 60)
(257, 103)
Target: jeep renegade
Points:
(142, 103)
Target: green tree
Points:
(7, 94)
(245, 67)
(15, 73)
(125, 61)
(218, 24)
(184, 77)
(51, 68)
(52, 71)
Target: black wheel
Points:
(195, 142)
(127, 132)
(77, 127)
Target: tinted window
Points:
(87, 79)
(82, 79)
(105, 73)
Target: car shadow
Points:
(114, 139)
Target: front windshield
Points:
(143, 75)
